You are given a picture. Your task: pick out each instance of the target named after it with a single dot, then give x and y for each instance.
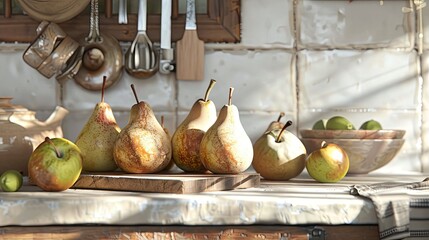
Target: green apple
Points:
(11, 181)
(279, 155)
(329, 164)
(55, 165)
(339, 123)
(371, 125)
(320, 124)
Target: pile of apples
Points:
(342, 123)
(203, 142)
(280, 155)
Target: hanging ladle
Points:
(102, 56)
(141, 60)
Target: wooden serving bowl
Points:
(353, 134)
(365, 155)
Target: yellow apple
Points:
(329, 164)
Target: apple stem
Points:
(59, 155)
(323, 144)
(135, 93)
(231, 90)
(209, 89)
(102, 89)
(280, 116)
(288, 123)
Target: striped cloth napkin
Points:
(402, 208)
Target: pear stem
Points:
(280, 116)
(102, 89)
(135, 93)
(288, 123)
(59, 155)
(231, 90)
(209, 89)
(162, 121)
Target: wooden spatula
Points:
(190, 49)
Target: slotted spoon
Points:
(122, 12)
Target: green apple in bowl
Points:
(329, 164)
(320, 124)
(339, 123)
(55, 165)
(371, 125)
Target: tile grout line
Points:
(295, 61)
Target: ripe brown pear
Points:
(226, 148)
(188, 135)
(97, 138)
(142, 146)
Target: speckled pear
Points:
(276, 124)
(187, 137)
(226, 148)
(143, 146)
(97, 138)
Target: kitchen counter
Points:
(298, 202)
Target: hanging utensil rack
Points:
(221, 23)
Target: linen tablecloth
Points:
(402, 208)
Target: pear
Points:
(164, 127)
(171, 163)
(97, 138)
(142, 146)
(276, 124)
(225, 147)
(279, 154)
(187, 137)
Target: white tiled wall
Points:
(354, 24)
(309, 58)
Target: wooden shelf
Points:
(351, 232)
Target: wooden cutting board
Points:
(167, 183)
